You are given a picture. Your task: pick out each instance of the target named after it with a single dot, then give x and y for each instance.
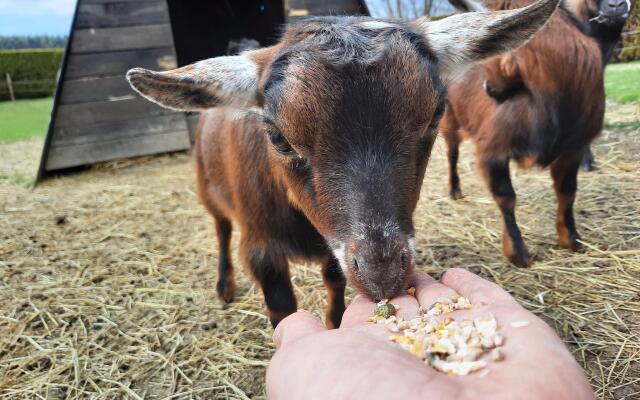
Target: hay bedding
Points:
(107, 278)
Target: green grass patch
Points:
(622, 82)
(622, 126)
(18, 179)
(24, 119)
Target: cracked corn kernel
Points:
(449, 346)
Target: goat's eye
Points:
(280, 143)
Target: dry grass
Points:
(107, 282)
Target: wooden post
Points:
(11, 94)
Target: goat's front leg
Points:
(564, 172)
(271, 270)
(335, 282)
(450, 131)
(589, 161)
(496, 171)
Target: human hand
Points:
(357, 361)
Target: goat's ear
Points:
(462, 39)
(231, 80)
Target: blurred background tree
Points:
(32, 42)
(630, 46)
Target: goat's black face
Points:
(612, 12)
(351, 109)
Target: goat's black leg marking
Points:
(453, 152)
(564, 172)
(272, 273)
(496, 171)
(589, 161)
(335, 282)
(226, 285)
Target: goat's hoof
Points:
(455, 194)
(519, 257)
(226, 291)
(522, 261)
(571, 243)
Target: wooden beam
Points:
(111, 15)
(90, 153)
(127, 38)
(114, 130)
(119, 62)
(105, 111)
(85, 90)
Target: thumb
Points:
(295, 327)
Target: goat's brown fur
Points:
(323, 159)
(545, 108)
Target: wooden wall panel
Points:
(111, 15)
(119, 62)
(109, 88)
(325, 7)
(112, 130)
(97, 116)
(104, 111)
(127, 38)
(90, 153)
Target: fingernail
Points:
(441, 275)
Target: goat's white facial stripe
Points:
(412, 245)
(339, 252)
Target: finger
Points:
(358, 312)
(407, 306)
(473, 287)
(428, 290)
(295, 327)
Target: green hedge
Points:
(33, 72)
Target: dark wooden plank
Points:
(73, 135)
(42, 169)
(96, 89)
(105, 111)
(127, 38)
(110, 15)
(89, 153)
(119, 62)
(326, 7)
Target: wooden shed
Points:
(97, 117)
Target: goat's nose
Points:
(619, 3)
(380, 268)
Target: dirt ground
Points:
(107, 278)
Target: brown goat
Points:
(540, 105)
(323, 157)
(604, 21)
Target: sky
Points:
(36, 17)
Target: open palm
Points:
(358, 361)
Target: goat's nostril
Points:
(404, 258)
(355, 263)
